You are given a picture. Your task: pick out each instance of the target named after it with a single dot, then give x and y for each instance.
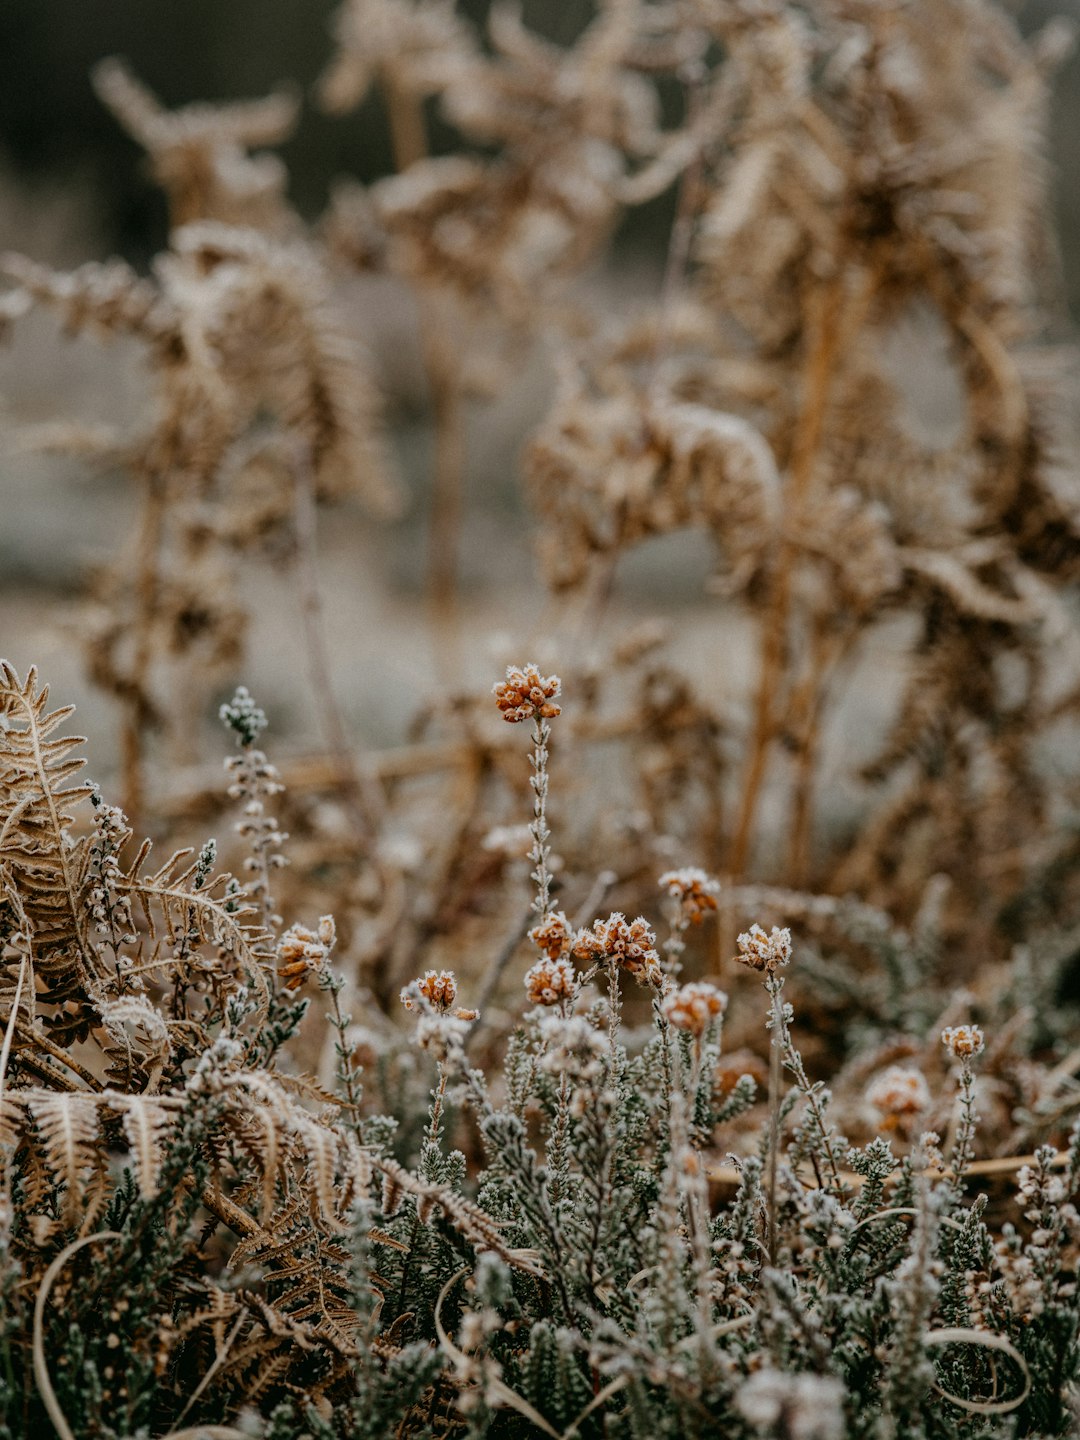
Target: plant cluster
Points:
(275, 1256)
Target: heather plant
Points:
(200, 1237)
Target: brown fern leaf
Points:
(174, 910)
(146, 1120)
(45, 865)
(69, 1134)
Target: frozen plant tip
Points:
(302, 952)
(800, 1407)
(554, 935)
(525, 694)
(629, 945)
(435, 991)
(963, 1042)
(765, 953)
(551, 982)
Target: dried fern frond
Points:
(200, 153)
(37, 803)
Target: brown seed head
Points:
(525, 694)
(899, 1094)
(438, 988)
(302, 952)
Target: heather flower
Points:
(692, 1007)
(764, 952)
(554, 935)
(438, 987)
(525, 694)
(302, 952)
(900, 1093)
(963, 1042)
(629, 944)
(693, 889)
(435, 990)
(550, 981)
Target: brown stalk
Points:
(408, 138)
(146, 596)
(833, 312)
(827, 653)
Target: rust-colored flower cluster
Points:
(899, 1094)
(525, 694)
(766, 953)
(554, 935)
(630, 944)
(694, 890)
(551, 981)
(694, 1006)
(963, 1042)
(437, 990)
(302, 952)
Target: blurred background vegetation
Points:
(56, 135)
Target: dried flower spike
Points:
(551, 981)
(764, 952)
(692, 1007)
(963, 1042)
(525, 694)
(694, 890)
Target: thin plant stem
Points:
(541, 852)
(363, 803)
(346, 1070)
(774, 1111)
(147, 590)
(687, 205)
